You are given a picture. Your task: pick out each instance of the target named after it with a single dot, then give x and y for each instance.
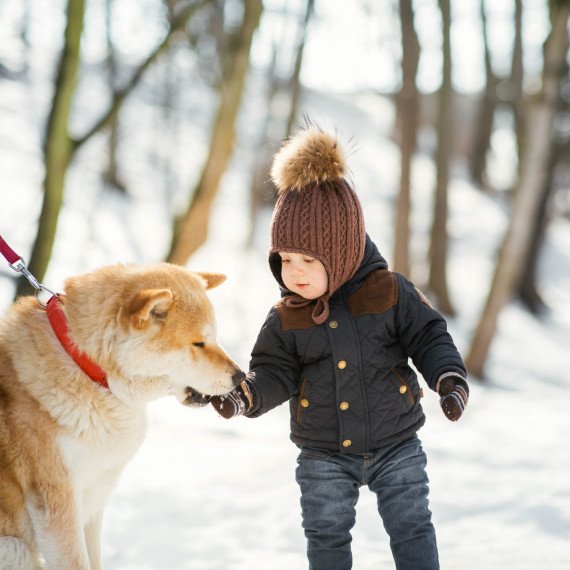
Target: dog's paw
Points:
(195, 398)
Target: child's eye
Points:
(308, 260)
(285, 260)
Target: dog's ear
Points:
(212, 279)
(149, 305)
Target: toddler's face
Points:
(303, 275)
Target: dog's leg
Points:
(17, 549)
(15, 555)
(59, 535)
(93, 540)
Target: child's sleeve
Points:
(423, 334)
(274, 366)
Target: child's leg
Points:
(400, 482)
(328, 496)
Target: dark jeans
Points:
(330, 484)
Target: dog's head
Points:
(153, 330)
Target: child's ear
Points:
(212, 279)
(149, 305)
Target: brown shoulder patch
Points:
(378, 293)
(297, 318)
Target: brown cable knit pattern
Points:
(317, 212)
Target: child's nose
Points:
(297, 270)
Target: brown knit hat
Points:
(317, 212)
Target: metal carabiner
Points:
(21, 267)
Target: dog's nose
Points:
(237, 377)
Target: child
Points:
(336, 346)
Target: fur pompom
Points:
(310, 157)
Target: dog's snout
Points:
(237, 377)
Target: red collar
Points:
(58, 322)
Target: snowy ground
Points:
(209, 494)
(205, 493)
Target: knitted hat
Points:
(317, 212)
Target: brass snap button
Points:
(304, 403)
(403, 389)
(333, 324)
(342, 364)
(344, 406)
(346, 443)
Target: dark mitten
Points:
(238, 402)
(454, 395)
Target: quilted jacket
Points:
(349, 385)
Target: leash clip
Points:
(20, 267)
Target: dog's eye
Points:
(198, 344)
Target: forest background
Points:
(141, 131)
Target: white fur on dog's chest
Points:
(95, 460)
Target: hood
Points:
(371, 261)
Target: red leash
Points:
(56, 317)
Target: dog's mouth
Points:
(195, 398)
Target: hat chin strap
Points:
(321, 311)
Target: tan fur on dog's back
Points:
(64, 439)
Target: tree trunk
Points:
(261, 189)
(58, 147)
(484, 124)
(111, 174)
(535, 162)
(439, 238)
(517, 77)
(408, 99)
(191, 232)
(260, 182)
(295, 83)
(528, 289)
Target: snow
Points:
(205, 493)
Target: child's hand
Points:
(454, 393)
(239, 401)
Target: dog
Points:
(64, 438)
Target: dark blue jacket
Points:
(349, 385)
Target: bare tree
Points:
(192, 230)
(528, 289)
(487, 105)
(527, 286)
(408, 103)
(535, 163)
(275, 128)
(111, 174)
(439, 238)
(517, 77)
(59, 146)
(260, 186)
(295, 83)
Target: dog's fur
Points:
(65, 439)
